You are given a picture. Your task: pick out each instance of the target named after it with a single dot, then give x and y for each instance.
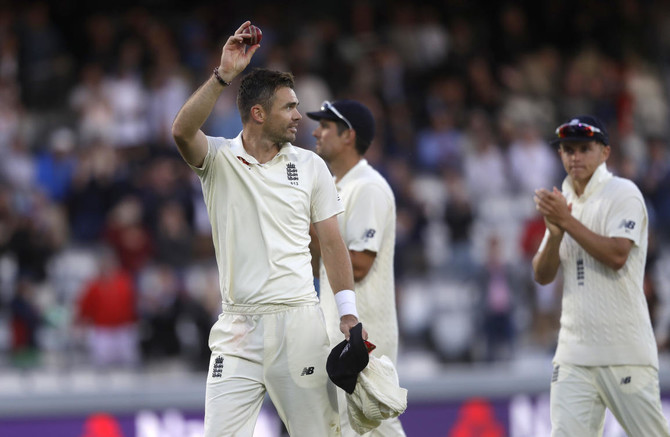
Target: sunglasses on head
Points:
(327, 106)
(577, 129)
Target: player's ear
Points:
(606, 152)
(349, 136)
(258, 113)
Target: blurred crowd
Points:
(105, 246)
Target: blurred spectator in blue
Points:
(441, 143)
(55, 166)
(655, 184)
(93, 191)
(224, 121)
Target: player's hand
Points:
(554, 208)
(235, 55)
(347, 322)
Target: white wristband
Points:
(346, 302)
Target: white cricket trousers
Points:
(580, 394)
(275, 348)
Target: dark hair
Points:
(361, 145)
(259, 87)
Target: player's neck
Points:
(341, 167)
(258, 147)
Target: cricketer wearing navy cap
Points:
(581, 128)
(368, 225)
(352, 113)
(597, 237)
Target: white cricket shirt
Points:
(604, 319)
(260, 216)
(368, 223)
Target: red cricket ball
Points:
(252, 35)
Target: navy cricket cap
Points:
(582, 128)
(348, 359)
(352, 113)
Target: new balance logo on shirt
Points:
(628, 224)
(625, 380)
(369, 233)
(307, 371)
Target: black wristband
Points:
(219, 78)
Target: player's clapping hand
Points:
(554, 208)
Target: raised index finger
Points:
(242, 27)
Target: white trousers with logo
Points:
(580, 394)
(276, 349)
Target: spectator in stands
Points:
(55, 166)
(26, 319)
(107, 308)
(126, 234)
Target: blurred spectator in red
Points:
(107, 308)
(126, 234)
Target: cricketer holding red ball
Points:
(262, 193)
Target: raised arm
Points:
(191, 141)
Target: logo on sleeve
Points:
(292, 173)
(369, 234)
(628, 224)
